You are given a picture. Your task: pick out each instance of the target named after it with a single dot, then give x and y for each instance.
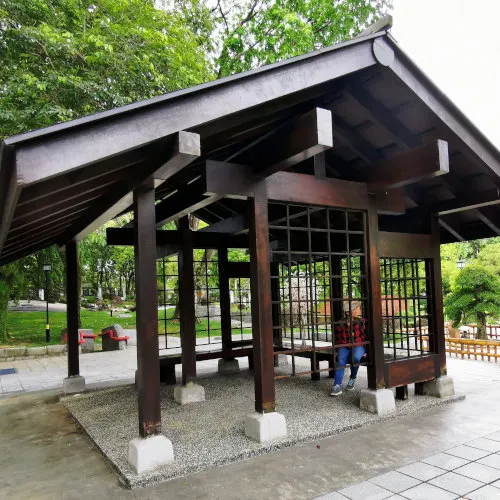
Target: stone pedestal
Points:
(441, 387)
(72, 385)
(281, 360)
(228, 366)
(146, 454)
(190, 393)
(264, 427)
(381, 401)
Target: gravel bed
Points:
(210, 434)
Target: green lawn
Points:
(28, 328)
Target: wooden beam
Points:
(491, 221)
(201, 240)
(231, 225)
(466, 201)
(303, 138)
(73, 307)
(407, 167)
(225, 299)
(451, 230)
(148, 375)
(404, 245)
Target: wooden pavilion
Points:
(341, 171)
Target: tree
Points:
(477, 293)
(489, 258)
(62, 59)
(11, 276)
(258, 32)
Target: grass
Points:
(28, 328)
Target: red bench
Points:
(86, 338)
(113, 338)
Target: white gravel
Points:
(209, 434)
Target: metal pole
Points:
(47, 326)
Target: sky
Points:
(457, 44)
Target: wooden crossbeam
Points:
(407, 167)
(451, 230)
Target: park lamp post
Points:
(47, 268)
(461, 263)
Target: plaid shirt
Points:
(343, 333)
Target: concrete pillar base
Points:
(381, 401)
(441, 387)
(228, 366)
(74, 384)
(264, 427)
(146, 454)
(190, 393)
(281, 360)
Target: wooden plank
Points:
(407, 167)
(73, 307)
(306, 136)
(231, 225)
(375, 327)
(262, 321)
(148, 376)
(225, 298)
(187, 316)
(234, 180)
(466, 201)
(405, 245)
(409, 371)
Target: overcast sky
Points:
(457, 43)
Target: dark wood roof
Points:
(60, 182)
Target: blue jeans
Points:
(344, 357)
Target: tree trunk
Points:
(4, 302)
(481, 327)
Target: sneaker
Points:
(350, 384)
(336, 391)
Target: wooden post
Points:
(73, 315)
(186, 303)
(275, 297)
(148, 374)
(437, 340)
(262, 321)
(375, 326)
(225, 299)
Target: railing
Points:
(492, 331)
(473, 348)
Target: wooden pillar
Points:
(375, 326)
(148, 374)
(225, 299)
(262, 321)
(187, 315)
(437, 342)
(73, 313)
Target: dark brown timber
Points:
(186, 303)
(262, 320)
(148, 379)
(73, 312)
(225, 299)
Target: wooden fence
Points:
(473, 348)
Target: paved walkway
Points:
(44, 452)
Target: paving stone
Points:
(395, 481)
(479, 472)
(422, 471)
(485, 493)
(427, 491)
(494, 435)
(365, 491)
(467, 452)
(331, 496)
(485, 444)
(445, 461)
(456, 483)
(491, 461)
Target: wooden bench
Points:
(113, 338)
(168, 361)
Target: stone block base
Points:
(146, 454)
(228, 366)
(264, 427)
(281, 360)
(441, 387)
(190, 393)
(381, 402)
(71, 385)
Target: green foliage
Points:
(477, 293)
(258, 32)
(489, 257)
(62, 59)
